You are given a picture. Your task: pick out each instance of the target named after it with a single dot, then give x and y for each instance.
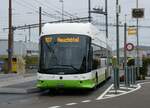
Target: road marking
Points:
(127, 88)
(104, 93)
(144, 83)
(138, 87)
(69, 104)
(113, 91)
(54, 107)
(85, 101)
(110, 95)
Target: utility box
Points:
(18, 65)
(14, 65)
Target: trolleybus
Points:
(72, 55)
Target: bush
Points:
(31, 61)
(144, 69)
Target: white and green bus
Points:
(72, 55)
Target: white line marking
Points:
(54, 107)
(138, 87)
(104, 93)
(86, 101)
(113, 91)
(110, 95)
(69, 104)
(144, 83)
(127, 88)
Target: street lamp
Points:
(62, 1)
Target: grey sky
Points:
(26, 12)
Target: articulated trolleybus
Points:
(72, 55)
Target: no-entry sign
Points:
(129, 47)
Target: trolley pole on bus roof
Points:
(10, 38)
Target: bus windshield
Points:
(64, 54)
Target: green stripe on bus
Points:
(47, 84)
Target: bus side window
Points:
(90, 58)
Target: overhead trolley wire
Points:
(29, 6)
(67, 14)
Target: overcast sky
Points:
(26, 12)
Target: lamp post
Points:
(62, 1)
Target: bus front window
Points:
(63, 56)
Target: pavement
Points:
(18, 83)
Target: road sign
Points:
(129, 47)
(132, 31)
(138, 12)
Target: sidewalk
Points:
(11, 79)
(13, 83)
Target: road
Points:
(137, 99)
(47, 99)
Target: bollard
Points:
(132, 71)
(127, 81)
(116, 78)
(134, 75)
(129, 75)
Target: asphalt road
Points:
(47, 99)
(137, 99)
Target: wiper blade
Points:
(71, 67)
(48, 69)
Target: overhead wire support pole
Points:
(62, 1)
(137, 47)
(10, 38)
(89, 6)
(125, 42)
(106, 16)
(106, 20)
(29, 34)
(116, 75)
(40, 20)
(125, 52)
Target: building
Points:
(20, 48)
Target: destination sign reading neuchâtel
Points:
(68, 39)
(63, 39)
